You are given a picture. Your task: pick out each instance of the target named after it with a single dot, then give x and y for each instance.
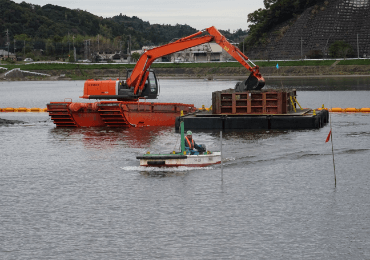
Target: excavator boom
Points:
(254, 82)
(148, 57)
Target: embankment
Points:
(199, 72)
(221, 72)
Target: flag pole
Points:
(222, 166)
(332, 151)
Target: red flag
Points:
(328, 138)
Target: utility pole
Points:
(98, 45)
(129, 49)
(121, 52)
(14, 46)
(358, 50)
(69, 45)
(24, 44)
(87, 50)
(7, 40)
(301, 49)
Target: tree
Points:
(55, 30)
(340, 49)
(27, 45)
(135, 56)
(22, 37)
(276, 12)
(268, 3)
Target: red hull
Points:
(116, 113)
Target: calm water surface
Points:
(80, 194)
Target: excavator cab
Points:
(150, 90)
(151, 87)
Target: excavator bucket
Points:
(251, 83)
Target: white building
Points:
(201, 53)
(5, 54)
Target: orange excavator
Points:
(142, 82)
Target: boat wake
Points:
(164, 169)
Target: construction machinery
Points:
(142, 83)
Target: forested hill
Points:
(275, 13)
(27, 21)
(297, 29)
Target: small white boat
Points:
(183, 158)
(179, 159)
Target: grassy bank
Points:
(196, 70)
(72, 66)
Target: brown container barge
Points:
(262, 109)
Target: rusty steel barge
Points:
(263, 109)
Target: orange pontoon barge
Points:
(116, 113)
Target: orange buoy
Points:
(351, 109)
(365, 109)
(336, 109)
(22, 109)
(35, 109)
(348, 109)
(45, 109)
(9, 109)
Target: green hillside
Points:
(55, 30)
(275, 12)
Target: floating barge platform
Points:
(266, 109)
(302, 119)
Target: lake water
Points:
(80, 194)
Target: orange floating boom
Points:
(347, 110)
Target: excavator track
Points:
(112, 114)
(61, 115)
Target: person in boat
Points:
(190, 145)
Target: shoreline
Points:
(182, 77)
(215, 73)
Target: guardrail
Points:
(26, 72)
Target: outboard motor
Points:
(204, 148)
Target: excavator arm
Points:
(255, 80)
(139, 74)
